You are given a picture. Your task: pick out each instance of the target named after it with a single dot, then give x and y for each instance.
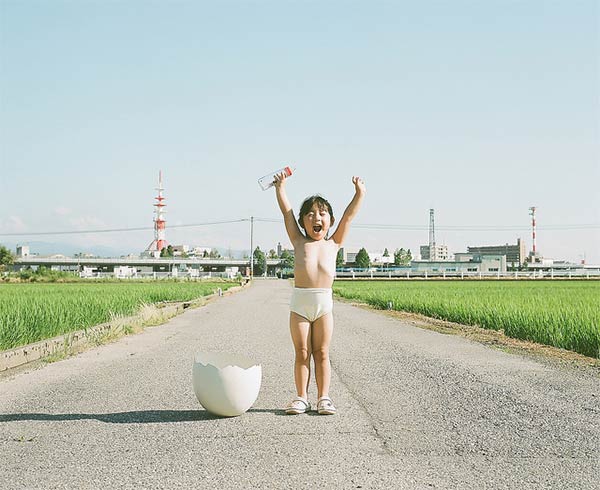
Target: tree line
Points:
(401, 257)
(363, 261)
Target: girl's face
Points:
(317, 222)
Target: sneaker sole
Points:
(294, 412)
(327, 412)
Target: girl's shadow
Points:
(134, 417)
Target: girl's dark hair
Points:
(307, 205)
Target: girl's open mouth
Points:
(317, 228)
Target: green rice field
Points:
(30, 312)
(563, 314)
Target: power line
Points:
(119, 230)
(366, 226)
(384, 226)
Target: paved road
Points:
(417, 409)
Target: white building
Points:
(376, 258)
(437, 252)
(22, 250)
(179, 250)
(463, 262)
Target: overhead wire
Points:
(366, 226)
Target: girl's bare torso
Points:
(314, 263)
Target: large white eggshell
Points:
(225, 384)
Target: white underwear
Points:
(312, 303)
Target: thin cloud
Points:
(87, 223)
(13, 224)
(62, 211)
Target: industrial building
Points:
(463, 262)
(434, 252)
(515, 254)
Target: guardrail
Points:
(552, 274)
(592, 274)
(158, 275)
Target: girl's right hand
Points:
(279, 179)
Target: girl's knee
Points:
(321, 355)
(302, 355)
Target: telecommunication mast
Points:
(159, 241)
(432, 247)
(532, 214)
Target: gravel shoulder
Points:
(552, 356)
(417, 409)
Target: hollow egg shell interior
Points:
(221, 360)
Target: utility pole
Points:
(251, 247)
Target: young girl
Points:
(311, 319)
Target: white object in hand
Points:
(269, 179)
(226, 384)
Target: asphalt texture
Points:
(416, 409)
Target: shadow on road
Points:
(135, 417)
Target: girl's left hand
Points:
(359, 185)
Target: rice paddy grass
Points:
(30, 312)
(564, 314)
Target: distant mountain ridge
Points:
(70, 250)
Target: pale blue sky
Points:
(479, 109)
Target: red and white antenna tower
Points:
(532, 214)
(159, 241)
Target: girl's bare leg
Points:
(300, 330)
(322, 331)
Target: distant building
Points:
(200, 251)
(349, 256)
(179, 250)
(436, 252)
(376, 258)
(22, 250)
(544, 264)
(463, 262)
(515, 254)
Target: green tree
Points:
(260, 262)
(339, 260)
(398, 256)
(402, 257)
(6, 258)
(272, 254)
(386, 253)
(167, 251)
(287, 259)
(214, 254)
(362, 259)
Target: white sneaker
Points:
(325, 406)
(297, 406)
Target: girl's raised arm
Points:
(359, 193)
(291, 225)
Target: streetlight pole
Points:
(251, 246)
